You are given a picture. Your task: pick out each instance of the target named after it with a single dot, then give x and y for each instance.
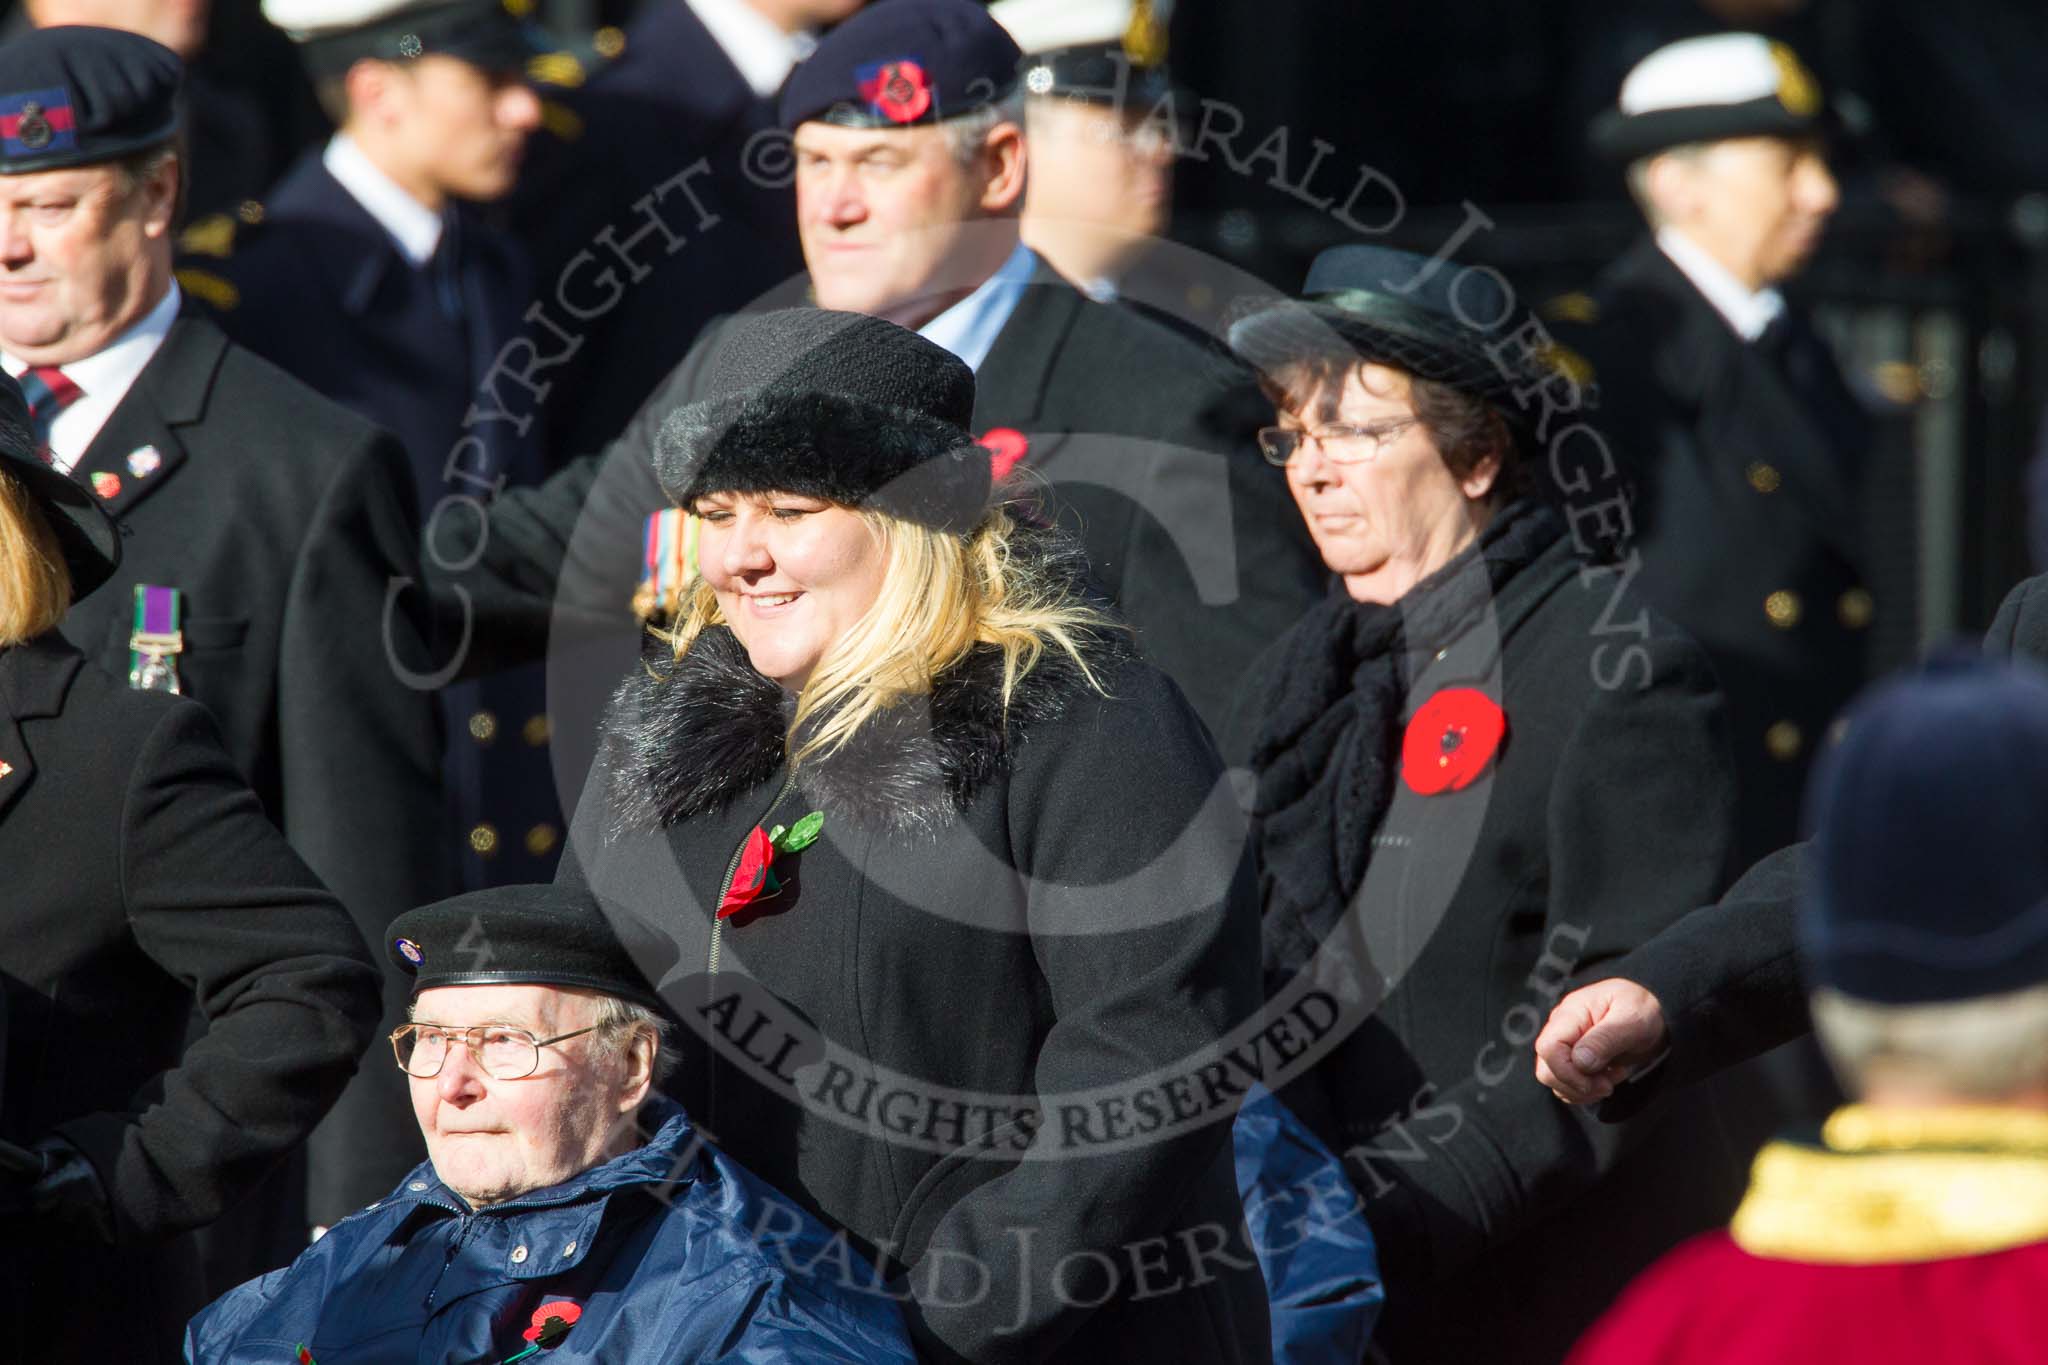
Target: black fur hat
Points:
(831, 405)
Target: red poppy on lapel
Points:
(1006, 446)
(753, 879)
(1450, 740)
(552, 1321)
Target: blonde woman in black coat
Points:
(961, 1008)
(138, 876)
(1482, 771)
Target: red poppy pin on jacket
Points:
(1450, 741)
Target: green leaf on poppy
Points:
(802, 834)
(771, 883)
(775, 834)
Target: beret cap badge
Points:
(32, 128)
(898, 90)
(410, 951)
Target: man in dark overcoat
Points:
(141, 880)
(376, 277)
(1722, 985)
(268, 532)
(1726, 409)
(1143, 440)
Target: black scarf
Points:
(1325, 753)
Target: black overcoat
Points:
(1748, 461)
(1606, 815)
(321, 290)
(969, 1029)
(1727, 978)
(141, 876)
(1145, 440)
(288, 525)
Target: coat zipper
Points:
(732, 869)
(710, 1117)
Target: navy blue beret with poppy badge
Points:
(903, 63)
(74, 95)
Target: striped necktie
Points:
(49, 391)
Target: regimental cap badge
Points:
(1798, 91)
(1144, 40)
(410, 951)
(34, 122)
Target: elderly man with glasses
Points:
(565, 1206)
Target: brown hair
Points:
(1465, 429)
(35, 582)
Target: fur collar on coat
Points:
(693, 738)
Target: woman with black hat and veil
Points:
(1482, 769)
(137, 876)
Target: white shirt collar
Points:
(104, 378)
(969, 328)
(763, 53)
(412, 225)
(1747, 312)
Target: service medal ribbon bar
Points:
(158, 639)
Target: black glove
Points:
(54, 1183)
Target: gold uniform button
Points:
(608, 42)
(250, 212)
(1784, 741)
(1763, 478)
(535, 731)
(1855, 608)
(1782, 607)
(541, 840)
(483, 727)
(483, 840)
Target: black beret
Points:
(1706, 89)
(900, 63)
(537, 935)
(335, 34)
(1930, 838)
(85, 533)
(74, 95)
(840, 406)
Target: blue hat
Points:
(1435, 320)
(74, 95)
(1930, 854)
(900, 63)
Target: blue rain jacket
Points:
(671, 1252)
(1307, 1225)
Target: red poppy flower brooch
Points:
(754, 878)
(1450, 740)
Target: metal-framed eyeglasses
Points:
(1340, 442)
(504, 1052)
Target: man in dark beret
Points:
(1724, 407)
(1915, 1222)
(263, 525)
(565, 1204)
(910, 170)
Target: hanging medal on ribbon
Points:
(157, 640)
(669, 565)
